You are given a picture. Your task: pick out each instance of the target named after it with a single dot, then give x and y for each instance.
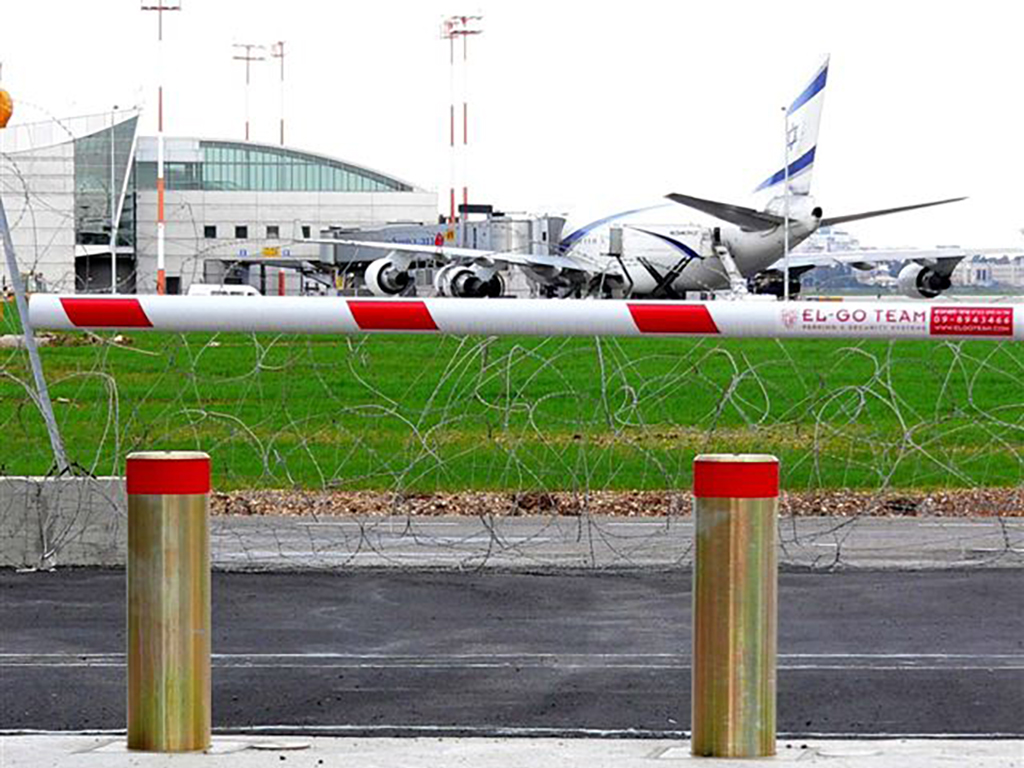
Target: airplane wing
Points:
(943, 260)
(451, 253)
(885, 211)
(748, 218)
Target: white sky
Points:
(583, 108)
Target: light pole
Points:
(785, 203)
(248, 58)
(277, 51)
(161, 271)
(454, 27)
(113, 206)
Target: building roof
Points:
(25, 137)
(223, 164)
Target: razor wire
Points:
(333, 451)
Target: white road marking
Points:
(376, 524)
(790, 662)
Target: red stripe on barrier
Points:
(106, 313)
(736, 480)
(178, 476)
(672, 318)
(971, 321)
(391, 315)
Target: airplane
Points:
(611, 258)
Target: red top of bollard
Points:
(736, 476)
(171, 472)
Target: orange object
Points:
(6, 108)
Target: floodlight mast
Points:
(248, 58)
(277, 51)
(452, 28)
(161, 271)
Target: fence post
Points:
(168, 601)
(734, 605)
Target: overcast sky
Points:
(583, 108)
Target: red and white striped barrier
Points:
(536, 317)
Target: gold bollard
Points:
(168, 601)
(735, 580)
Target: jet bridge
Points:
(493, 231)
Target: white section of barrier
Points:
(539, 317)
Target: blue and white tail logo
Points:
(802, 120)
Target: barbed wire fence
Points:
(516, 452)
(333, 451)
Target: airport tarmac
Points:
(878, 654)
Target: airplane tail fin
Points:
(803, 119)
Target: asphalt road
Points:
(399, 652)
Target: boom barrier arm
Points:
(536, 317)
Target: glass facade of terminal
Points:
(93, 179)
(236, 166)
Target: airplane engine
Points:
(468, 282)
(772, 282)
(384, 278)
(919, 282)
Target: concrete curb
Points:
(47, 522)
(39, 751)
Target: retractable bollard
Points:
(168, 601)
(734, 605)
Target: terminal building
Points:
(991, 272)
(234, 210)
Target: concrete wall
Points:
(45, 522)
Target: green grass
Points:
(434, 413)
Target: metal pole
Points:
(277, 51)
(451, 123)
(161, 264)
(465, 131)
(734, 605)
(161, 183)
(113, 207)
(248, 58)
(785, 200)
(532, 317)
(42, 398)
(168, 601)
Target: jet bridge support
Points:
(737, 283)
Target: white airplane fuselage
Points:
(650, 254)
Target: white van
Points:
(221, 289)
